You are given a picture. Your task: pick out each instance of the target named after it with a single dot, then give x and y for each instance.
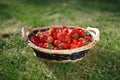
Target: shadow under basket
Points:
(71, 55)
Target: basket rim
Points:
(50, 51)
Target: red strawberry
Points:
(37, 35)
(81, 33)
(65, 33)
(67, 39)
(46, 33)
(46, 45)
(64, 29)
(43, 38)
(50, 39)
(75, 36)
(52, 30)
(36, 41)
(40, 44)
(71, 32)
(87, 38)
(56, 48)
(80, 43)
(54, 35)
(72, 46)
(59, 30)
(74, 33)
(75, 41)
(65, 45)
(50, 46)
(61, 37)
(57, 43)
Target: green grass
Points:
(17, 61)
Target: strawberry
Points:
(40, 44)
(75, 41)
(81, 33)
(56, 48)
(50, 39)
(48, 46)
(43, 38)
(46, 33)
(74, 33)
(71, 32)
(67, 39)
(80, 43)
(64, 45)
(37, 35)
(59, 30)
(61, 37)
(75, 36)
(64, 29)
(72, 46)
(54, 35)
(57, 43)
(87, 38)
(52, 30)
(36, 41)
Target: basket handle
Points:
(25, 33)
(95, 32)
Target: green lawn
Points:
(17, 61)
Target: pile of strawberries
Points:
(61, 38)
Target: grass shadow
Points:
(70, 70)
(42, 2)
(82, 5)
(100, 5)
(3, 13)
(63, 71)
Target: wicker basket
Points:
(71, 55)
